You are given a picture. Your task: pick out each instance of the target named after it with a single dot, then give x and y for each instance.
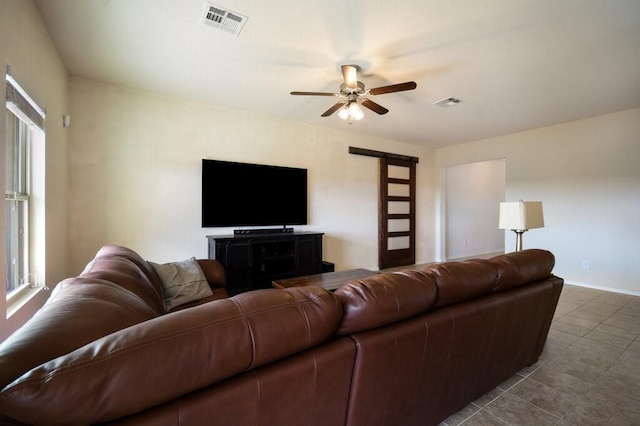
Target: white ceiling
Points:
(515, 64)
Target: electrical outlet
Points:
(586, 264)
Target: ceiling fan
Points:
(355, 94)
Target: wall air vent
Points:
(223, 19)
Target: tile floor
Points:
(588, 374)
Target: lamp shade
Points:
(521, 215)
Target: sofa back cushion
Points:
(519, 268)
(158, 360)
(78, 311)
(214, 272)
(125, 267)
(385, 298)
(461, 281)
(117, 289)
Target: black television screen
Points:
(242, 194)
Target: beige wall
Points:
(25, 46)
(135, 170)
(587, 174)
(472, 195)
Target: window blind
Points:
(21, 104)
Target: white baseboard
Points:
(603, 288)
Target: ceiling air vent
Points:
(223, 19)
(447, 102)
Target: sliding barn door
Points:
(396, 221)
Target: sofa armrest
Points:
(214, 272)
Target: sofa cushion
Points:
(214, 271)
(125, 267)
(79, 311)
(182, 282)
(461, 281)
(116, 289)
(384, 298)
(217, 293)
(158, 360)
(522, 267)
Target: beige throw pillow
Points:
(182, 282)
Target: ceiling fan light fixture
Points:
(351, 112)
(355, 111)
(344, 112)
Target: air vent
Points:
(447, 102)
(223, 19)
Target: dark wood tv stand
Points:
(252, 262)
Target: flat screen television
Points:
(243, 194)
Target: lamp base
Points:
(519, 233)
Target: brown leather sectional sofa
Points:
(401, 348)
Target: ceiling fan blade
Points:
(409, 85)
(350, 75)
(368, 103)
(333, 109)
(315, 93)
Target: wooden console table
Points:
(329, 280)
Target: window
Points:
(24, 131)
(16, 202)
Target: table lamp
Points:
(520, 216)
